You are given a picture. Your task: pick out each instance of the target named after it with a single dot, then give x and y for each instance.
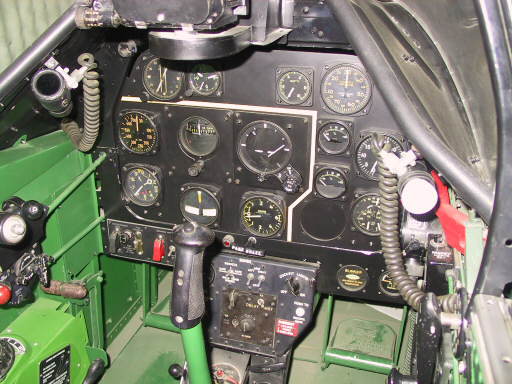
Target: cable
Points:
(83, 140)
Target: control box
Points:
(259, 305)
(139, 242)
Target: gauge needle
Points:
(346, 80)
(372, 171)
(162, 79)
(258, 150)
(199, 197)
(142, 186)
(270, 153)
(290, 93)
(326, 136)
(137, 124)
(212, 76)
(320, 180)
(201, 87)
(251, 216)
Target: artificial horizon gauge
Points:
(204, 79)
(199, 205)
(137, 132)
(366, 160)
(263, 216)
(334, 138)
(161, 81)
(142, 186)
(330, 183)
(366, 214)
(346, 89)
(224, 373)
(293, 87)
(264, 147)
(198, 136)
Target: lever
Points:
(187, 300)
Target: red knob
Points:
(5, 294)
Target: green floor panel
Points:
(146, 358)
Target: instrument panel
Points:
(268, 148)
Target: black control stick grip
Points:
(187, 299)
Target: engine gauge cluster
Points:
(204, 79)
(330, 183)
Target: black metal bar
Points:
(469, 186)
(496, 267)
(36, 53)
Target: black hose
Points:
(83, 140)
(389, 231)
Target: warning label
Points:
(285, 327)
(55, 369)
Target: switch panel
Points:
(259, 305)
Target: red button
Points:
(5, 294)
(158, 249)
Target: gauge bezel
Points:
(324, 124)
(352, 218)
(153, 93)
(246, 159)
(186, 148)
(330, 168)
(361, 108)
(151, 118)
(157, 174)
(365, 136)
(308, 75)
(210, 191)
(276, 199)
(208, 93)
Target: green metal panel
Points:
(22, 22)
(44, 329)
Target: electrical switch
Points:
(138, 243)
(158, 249)
(261, 279)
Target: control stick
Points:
(187, 300)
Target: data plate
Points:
(55, 369)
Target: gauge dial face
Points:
(224, 373)
(346, 89)
(262, 216)
(141, 185)
(366, 214)
(204, 79)
(199, 205)
(264, 147)
(137, 132)
(330, 183)
(161, 81)
(293, 87)
(366, 160)
(334, 138)
(198, 137)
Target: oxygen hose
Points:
(389, 235)
(83, 140)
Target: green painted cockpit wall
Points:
(40, 169)
(22, 22)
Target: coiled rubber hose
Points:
(83, 140)
(389, 210)
(389, 236)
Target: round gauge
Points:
(353, 278)
(386, 285)
(198, 137)
(346, 89)
(224, 373)
(199, 205)
(141, 185)
(366, 214)
(204, 79)
(161, 81)
(293, 87)
(137, 132)
(334, 138)
(262, 216)
(366, 160)
(330, 183)
(264, 147)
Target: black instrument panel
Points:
(258, 152)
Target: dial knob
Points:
(247, 323)
(293, 285)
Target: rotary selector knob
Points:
(247, 323)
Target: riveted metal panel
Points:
(21, 23)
